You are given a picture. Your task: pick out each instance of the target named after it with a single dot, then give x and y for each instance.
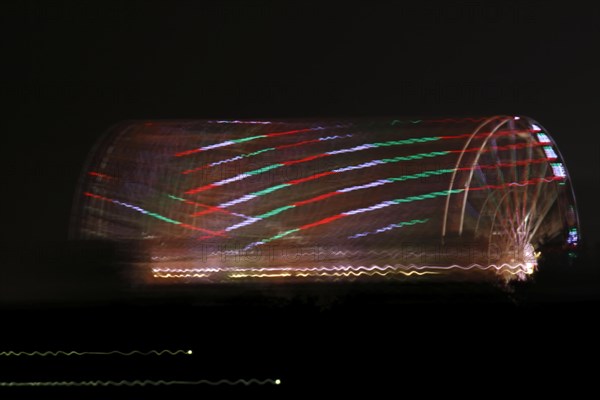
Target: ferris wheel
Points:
(516, 191)
(221, 201)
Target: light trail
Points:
(100, 175)
(390, 227)
(151, 214)
(361, 147)
(94, 353)
(142, 383)
(242, 140)
(389, 203)
(337, 268)
(342, 271)
(250, 220)
(369, 164)
(265, 150)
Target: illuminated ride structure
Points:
(304, 200)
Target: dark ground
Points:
(467, 339)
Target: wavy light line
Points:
(93, 353)
(390, 227)
(353, 271)
(165, 276)
(347, 268)
(397, 121)
(363, 273)
(522, 183)
(144, 383)
(260, 275)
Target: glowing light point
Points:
(543, 138)
(558, 170)
(573, 236)
(278, 381)
(530, 259)
(189, 352)
(550, 153)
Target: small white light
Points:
(559, 170)
(543, 138)
(550, 153)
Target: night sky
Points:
(73, 69)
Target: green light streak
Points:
(258, 152)
(397, 121)
(415, 156)
(424, 174)
(409, 223)
(406, 141)
(427, 196)
(274, 212)
(280, 235)
(248, 139)
(158, 216)
(271, 189)
(264, 169)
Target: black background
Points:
(72, 69)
